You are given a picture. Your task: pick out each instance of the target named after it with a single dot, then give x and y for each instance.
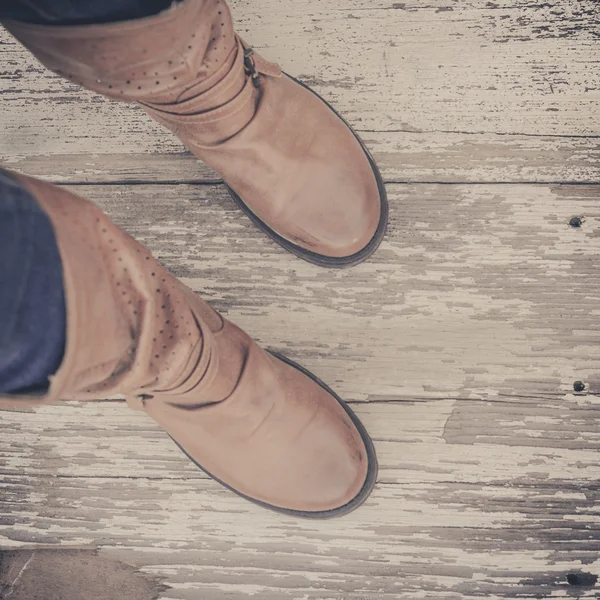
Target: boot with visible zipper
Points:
(256, 422)
(289, 160)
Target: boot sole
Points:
(314, 257)
(372, 469)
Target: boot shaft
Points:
(152, 59)
(131, 327)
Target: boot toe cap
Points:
(332, 482)
(337, 215)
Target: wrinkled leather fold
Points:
(219, 113)
(130, 326)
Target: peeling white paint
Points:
(458, 342)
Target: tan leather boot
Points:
(290, 161)
(258, 423)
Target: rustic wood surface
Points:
(458, 343)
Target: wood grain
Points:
(448, 519)
(401, 156)
(497, 82)
(458, 344)
(477, 291)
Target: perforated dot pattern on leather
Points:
(154, 304)
(170, 53)
(144, 311)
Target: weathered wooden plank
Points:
(401, 156)
(465, 332)
(435, 442)
(460, 540)
(477, 291)
(503, 67)
(458, 343)
(510, 67)
(24, 574)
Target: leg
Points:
(289, 160)
(79, 12)
(255, 421)
(32, 305)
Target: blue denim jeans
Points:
(32, 302)
(79, 12)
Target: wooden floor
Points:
(461, 343)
